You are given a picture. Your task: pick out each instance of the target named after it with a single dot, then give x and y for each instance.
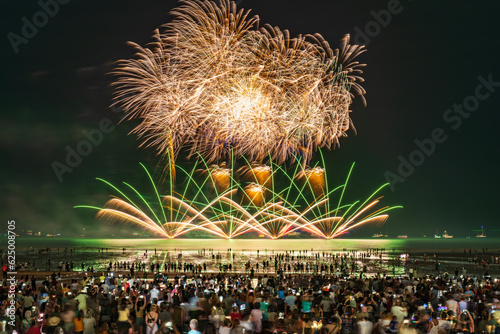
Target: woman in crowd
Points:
(347, 321)
(465, 323)
(78, 321)
(123, 324)
(152, 320)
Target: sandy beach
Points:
(384, 262)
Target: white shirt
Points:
(399, 312)
(154, 293)
(325, 304)
(452, 305)
(82, 301)
(445, 325)
(365, 327)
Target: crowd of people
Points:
(241, 304)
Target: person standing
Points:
(165, 315)
(123, 315)
(28, 302)
(67, 317)
(326, 305)
(154, 293)
(34, 329)
(256, 317)
(347, 321)
(82, 301)
(152, 320)
(399, 311)
(451, 304)
(433, 326)
(290, 299)
(89, 323)
(26, 323)
(140, 306)
(365, 326)
(78, 321)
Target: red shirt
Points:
(235, 315)
(34, 330)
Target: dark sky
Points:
(426, 59)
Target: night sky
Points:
(431, 56)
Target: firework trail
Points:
(238, 208)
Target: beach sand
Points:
(385, 262)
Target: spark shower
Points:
(222, 88)
(214, 83)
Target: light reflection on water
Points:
(428, 244)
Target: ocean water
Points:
(410, 244)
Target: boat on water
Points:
(437, 235)
(482, 235)
(447, 236)
(380, 235)
(402, 236)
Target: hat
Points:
(53, 321)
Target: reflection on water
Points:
(254, 244)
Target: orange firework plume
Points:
(255, 172)
(314, 178)
(220, 176)
(255, 194)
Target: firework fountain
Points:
(229, 208)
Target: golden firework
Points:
(214, 82)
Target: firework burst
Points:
(214, 82)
